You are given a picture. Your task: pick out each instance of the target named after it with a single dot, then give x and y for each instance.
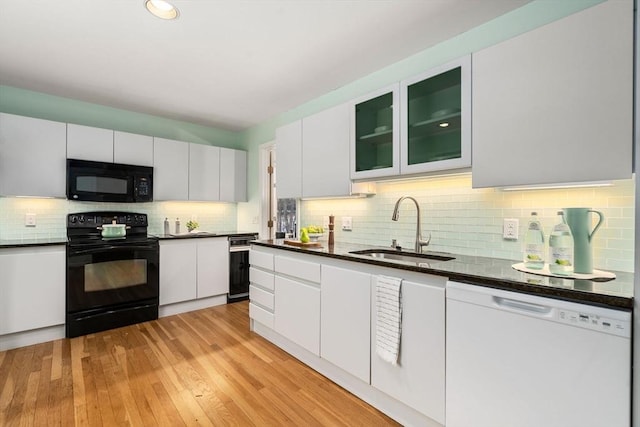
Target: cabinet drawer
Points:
(261, 259)
(261, 315)
(302, 269)
(261, 297)
(261, 278)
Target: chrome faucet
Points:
(419, 242)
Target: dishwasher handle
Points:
(522, 306)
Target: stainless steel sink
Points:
(394, 255)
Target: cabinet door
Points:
(325, 153)
(297, 313)
(213, 267)
(32, 298)
(375, 139)
(89, 143)
(345, 328)
(170, 169)
(289, 160)
(32, 157)
(233, 175)
(436, 119)
(418, 379)
(177, 271)
(132, 149)
(204, 172)
(554, 105)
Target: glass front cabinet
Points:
(422, 124)
(375, 138)
(436, 119)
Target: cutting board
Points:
(302, 245)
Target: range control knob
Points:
(73, 219)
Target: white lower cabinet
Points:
(262, 287)
(418, 380)
(177, 271)
(322, 311)
(297, 314)
(346, 320)
(193, 268)
(32, 288)
(212, 266)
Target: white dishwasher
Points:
(517, 360)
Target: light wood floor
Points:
(198, 368)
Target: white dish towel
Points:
(388, 318)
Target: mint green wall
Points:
(34, 104)
(530, 16)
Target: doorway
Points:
(278, 217)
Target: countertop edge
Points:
(31, 243)
(572, 295)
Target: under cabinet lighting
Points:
(162, 9)
(444, 125)
(559, 186)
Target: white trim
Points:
(264, 150)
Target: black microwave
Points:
(108, 182)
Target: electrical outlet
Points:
(347, 223)
(510, 229)
(30, 220)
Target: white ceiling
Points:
(224, 63)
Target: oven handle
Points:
(109, 248)
(239, 248)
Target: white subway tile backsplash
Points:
(469, 221)
(52, 215)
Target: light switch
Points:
(347, 224)
(30, 220)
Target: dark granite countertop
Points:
(202, 234)
(43, 241)
(490, 272)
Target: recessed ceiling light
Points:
(443, 124)
(161, 9)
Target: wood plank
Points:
(199, 368)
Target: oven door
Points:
(111, 274)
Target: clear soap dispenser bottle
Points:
(534, 244)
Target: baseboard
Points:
(186, 306)
(35, 336)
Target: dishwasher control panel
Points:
(594, 322)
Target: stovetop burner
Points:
(86, 227)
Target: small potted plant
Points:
(192, 225)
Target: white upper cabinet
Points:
(289, 160)
(89, 143)
(325, 153)
(170, 169)
(555, 105)
(233, 175)
(132, 149)
(435, 119)
(204, 172)
(32, 157)
(375, 134)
